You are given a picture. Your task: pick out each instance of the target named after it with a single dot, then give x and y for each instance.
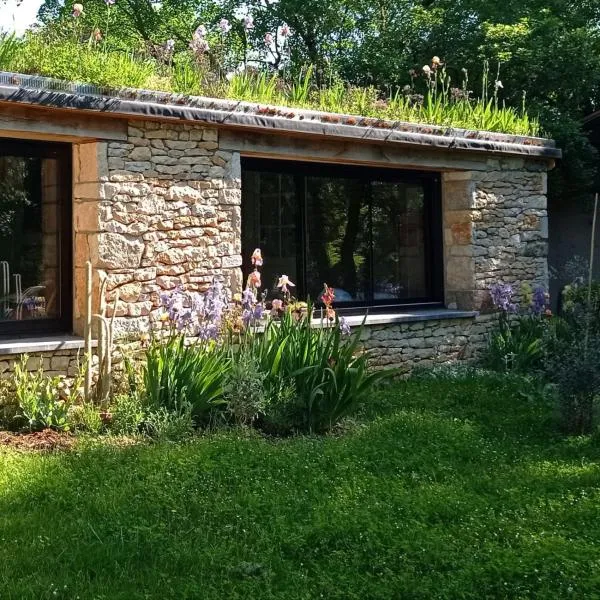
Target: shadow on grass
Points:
(445, 490)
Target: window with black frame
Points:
(35, 237)
(374, 235)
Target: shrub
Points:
(575, 368)
(172, 425)
(127, 414)
(244, 390)
(575, 304)
(43, 401)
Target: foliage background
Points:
(549, 49)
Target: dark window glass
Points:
(338, 238)
(372, 235)
(34, 244)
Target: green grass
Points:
(71, 60)
(444, 488)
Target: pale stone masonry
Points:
(157, 204)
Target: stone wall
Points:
(426, 343)
(54, 363)
(164, 211)
(495, 230)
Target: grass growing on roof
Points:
(68, 59)
(449, 487)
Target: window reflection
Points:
(366, 233)
(338, 240)
(29, 238)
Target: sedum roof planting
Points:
(53, 93)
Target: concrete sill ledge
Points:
(31, 345)
(430, 314)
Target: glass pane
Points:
(29, 238)
(269, 222)
(399, 257)
(338, 238)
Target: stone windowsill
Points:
(29, 345)
(429, 314)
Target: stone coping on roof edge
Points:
(42, 91)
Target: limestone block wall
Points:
(54, 363)
(164, 211)
(495, 229)
(427, 343)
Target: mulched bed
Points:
(46, 440)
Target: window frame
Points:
(431, 182)
(63, 153)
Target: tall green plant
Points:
(175, 374)
(9, 46)
(329, 374)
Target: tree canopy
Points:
(548, 51)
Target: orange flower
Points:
(328, 295)
(254, 280)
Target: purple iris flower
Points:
(538, 304)
(502, 297)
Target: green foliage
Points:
(84, 63)
(175, 374)
(330, 376)
(165, 425)
(575, 304)
(127, 414)
(448, 488)
(39, 398)
(9, 47)
(517, 344)
(86, 417)
(52, 53)
(243, 389)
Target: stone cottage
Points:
(409, 223)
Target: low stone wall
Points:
(54, 363)
(426, 343)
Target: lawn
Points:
(443, 488)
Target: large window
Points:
(35, 237)
(374, 235)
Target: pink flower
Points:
(224, 26)
(277, 304)
(199, 45)
(268, 39)
(77, 10)
(248, 22)
(256, 258)
(285, 31)
(97, 35)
